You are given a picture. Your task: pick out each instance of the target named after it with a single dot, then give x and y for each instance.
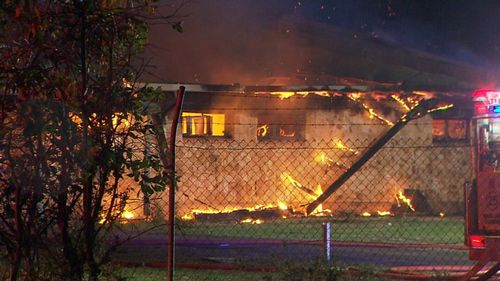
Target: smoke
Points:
(226, 42)
(247, 42)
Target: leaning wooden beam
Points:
(417, 112)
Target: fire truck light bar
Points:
(477, 241)
(486, 102)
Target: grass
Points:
(149, 274)
(387, 229)
(315, 273)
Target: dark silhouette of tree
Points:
(73, 126)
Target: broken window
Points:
(280, 127)
(196, 124)
(445, 130)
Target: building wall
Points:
(241, 172)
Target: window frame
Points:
(276, 122)
(209, 125)
(447, 138)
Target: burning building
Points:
(276, 149)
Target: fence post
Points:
(327, 240)
(171, 190)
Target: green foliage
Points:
(73, 122)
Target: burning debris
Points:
(411, 201)
(323, 159)
(356, 97)
(263, 130)
(338, 144)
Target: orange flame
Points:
(284, 133)
(426, 95)
(401, 102)
(299, 186)
(406, 200)
(322, 158)
(443, 107)
(252, 221)
(372, 114)
(263, 130)
(128, 215)
(338, 144)
(187, 217)
(288, 94)
(283, 95)
(384, 213)
(282, 206)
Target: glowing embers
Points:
(253, 215)
(287, 134)
(338, 144)
(356, 97)
(440, 108)
(252, 221)
(280, 126)
(377, 214)
(299, 186)
(263, 131)
(310, 193)
(287, 94)
(411, 201)
(407, 103)
(402, 199)
(122, 217)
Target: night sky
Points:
(247, 41)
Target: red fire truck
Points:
(482, 196)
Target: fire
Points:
(120, 122)
(413, 101)
(426, 95)
(379, 213)
(298, 185)
(288, 94)
(123, 217)
(354, 96)
(284, 133)
(401, 102)
(407, 201)
(128, 215)
(372, 114)
(319, 93)
(283, 95)
(384, 213)
(443, 107)
(441, 214)
(187, 217)
(318, 190)
(263, 130)
(338, 144)
(282, 206)
(252, 221)
(322, 158)
(319, 211)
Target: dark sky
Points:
(245, 41)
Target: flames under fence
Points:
(241, 204)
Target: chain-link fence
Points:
(242, 205)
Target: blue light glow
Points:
(496, 108)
